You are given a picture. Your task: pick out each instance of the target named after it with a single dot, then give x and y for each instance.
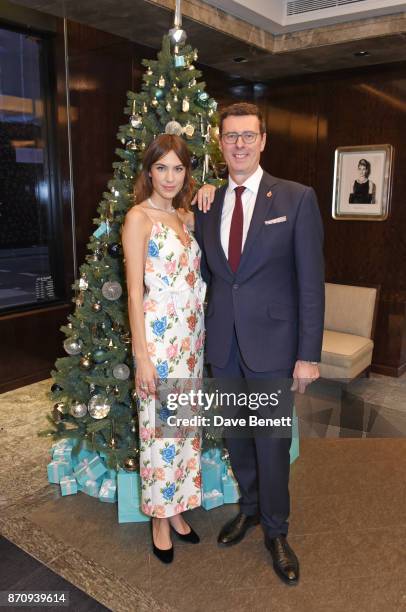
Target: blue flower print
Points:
(168, 453)
(159, 326)
(164, 413)
(169, 491)
(153, 249)
(162, 369)
(165, 280)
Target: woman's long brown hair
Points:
(161, 146)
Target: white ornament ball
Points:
(78, 410)
(73, 346)
(173, 127)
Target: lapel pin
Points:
(269, 194)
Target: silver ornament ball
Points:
(112, 290)
(99, 406)
(173, 127)
(121, 371)
(73, 346)
(78, 410)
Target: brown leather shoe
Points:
(285, 562)
(234, 531)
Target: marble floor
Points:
(348, 521)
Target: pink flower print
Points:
(180, 508)
(151, 348)
(145, 433)
(158, 432)
(192, 464)
(159, 473)
(199, 343)
(183, 260)
(196, 263)
(172, 351)
(146, 473)
(193, 501)
(149, 265)
(170, 267)
(170, 309)
(150, 306)
(186, 344)
(179, 473)
(147, 509)
(159, 511)
(155, 230)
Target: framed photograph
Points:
(362, 182)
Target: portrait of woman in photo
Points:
(165, 303)
(364, 190)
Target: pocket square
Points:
(276, 220)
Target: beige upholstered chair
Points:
(348, 331)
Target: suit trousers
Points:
(261, 464)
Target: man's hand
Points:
(204, 197)
(304, 374)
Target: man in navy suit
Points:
(262, 244)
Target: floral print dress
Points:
(174, 326)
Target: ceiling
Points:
(298, 53)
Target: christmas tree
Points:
(94, 385)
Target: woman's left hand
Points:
(204, 197)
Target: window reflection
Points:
(27, 234)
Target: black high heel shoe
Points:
(166, 556)
(190, 537)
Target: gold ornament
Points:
(168, 107)
(144, 108)
(85, 363)
(191, 67)
(195, 55)
(154, 102)
(175, 98)
(149, 71)
(185, 104)
(116, 391)
(131, 464)
(189, 130)
(96, 307)
(161, 81)
(192, 83)
(113, 443)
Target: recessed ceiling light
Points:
(240, 60)
(361, 53)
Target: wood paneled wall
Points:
(307, 119)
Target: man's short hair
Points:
(241, 109)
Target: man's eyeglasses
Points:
(247, 137)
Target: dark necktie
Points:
(235, 240)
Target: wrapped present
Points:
(129, 498)
(57, 470)
(231, 491)
(212, 470)
(69, 486)
(89, 469)
(85, 452)
(62, 454)
(90, 487)
(108, 491)
(212, 499)
(294, 445)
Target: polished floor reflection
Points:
(347, 526)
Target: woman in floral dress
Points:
(165, 301)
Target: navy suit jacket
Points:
(275, 300)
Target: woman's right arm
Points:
(135, 235)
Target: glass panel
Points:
(27, 275)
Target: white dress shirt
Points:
(248, 199)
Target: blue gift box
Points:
(90, 487)
(56, 470)
(108, 491)
(230, 489)
(62, 454)
(294, 445)
(89, 469)
(212, 470)
(212, 499)
(69, 486)
(129, 498)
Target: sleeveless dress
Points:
(174, 326)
